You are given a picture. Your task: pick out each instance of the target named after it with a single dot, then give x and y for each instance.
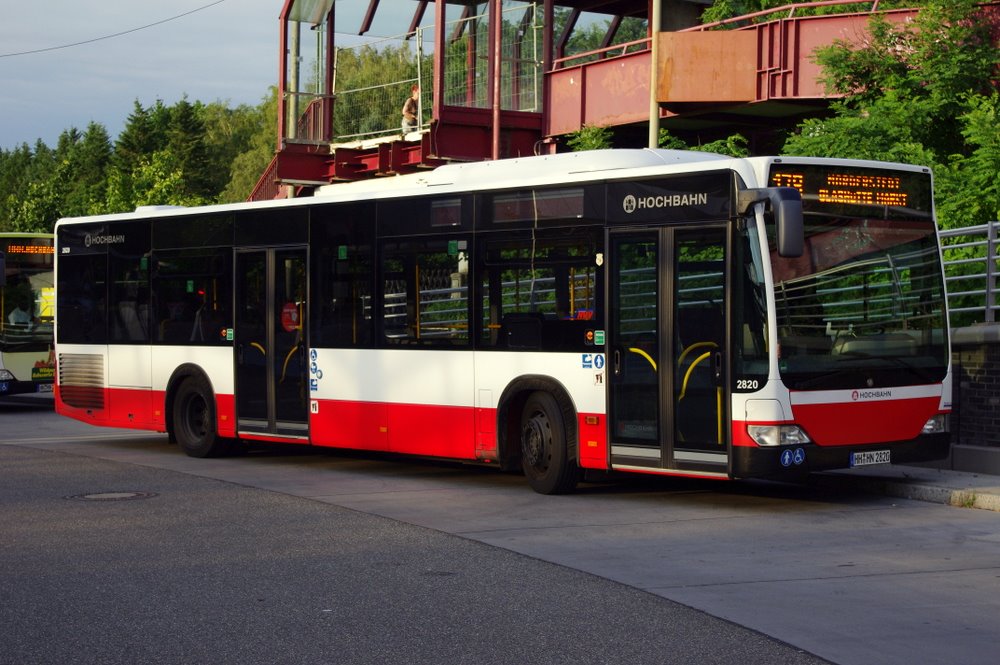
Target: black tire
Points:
(194, 420)
(545, 454)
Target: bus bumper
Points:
(21, 387)
(789, 462)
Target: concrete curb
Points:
(950, 488)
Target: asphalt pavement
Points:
(133, 553)
(108, 562)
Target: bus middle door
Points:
(668, 397)
(272, 391)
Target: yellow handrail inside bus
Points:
(258, 347)
(718, 389)
(687, 375)
(696, 345)
(718, 412)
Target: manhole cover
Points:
(112, 496)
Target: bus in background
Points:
(647, 311)
(27, 303)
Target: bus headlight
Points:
(777, 435)
(6, 375)
(936, 425)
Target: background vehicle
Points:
(27, 305)
(649, 311)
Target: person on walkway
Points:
(410, 109)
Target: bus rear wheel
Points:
(544, 453)
(194, 420)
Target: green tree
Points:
(248, 166)
(58, 183)
(14, 173)
(590, 137)
(37, 208)
(23, 171)
(84, 167)
(975, 180)
(229, 133)
(144, 133)
(189, 154)
(157, 179)
(734, 145)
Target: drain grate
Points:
(111, 496)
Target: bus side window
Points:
(425, 291)
(540, 291)
(341, 313)
(82, 296)
(192, 305)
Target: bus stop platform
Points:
(954, 488)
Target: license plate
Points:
(870, 457)
(44, 387)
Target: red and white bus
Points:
(646, 311)
(27, 304)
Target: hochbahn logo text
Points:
(97, 239)
(870, 394)
(632, 203)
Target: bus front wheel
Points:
(194, 420)
(544, 454)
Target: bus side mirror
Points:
(786, 207)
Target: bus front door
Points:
(272, 391)
(668, 401)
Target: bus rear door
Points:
(272, 389)
(668, 392)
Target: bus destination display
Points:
(14, 248)
(835, 190)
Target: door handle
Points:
(718, 366)
(617, 361)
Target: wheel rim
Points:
(536, 441)
(196, 417)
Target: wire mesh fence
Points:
(372, 81)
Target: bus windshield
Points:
(863, 307)
(27, 293)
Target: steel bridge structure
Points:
(502, 78)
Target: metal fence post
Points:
(991, 271)
(420, 77)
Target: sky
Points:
(227, 51)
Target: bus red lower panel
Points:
(593, 438)
(358, 425)
(133, 408)
(865, 422)
(225, 415)
(416, 429)
(86, 404)
(436, 431)
(432, 430)
(130, 408)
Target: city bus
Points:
(27, 305)
(570, 315)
